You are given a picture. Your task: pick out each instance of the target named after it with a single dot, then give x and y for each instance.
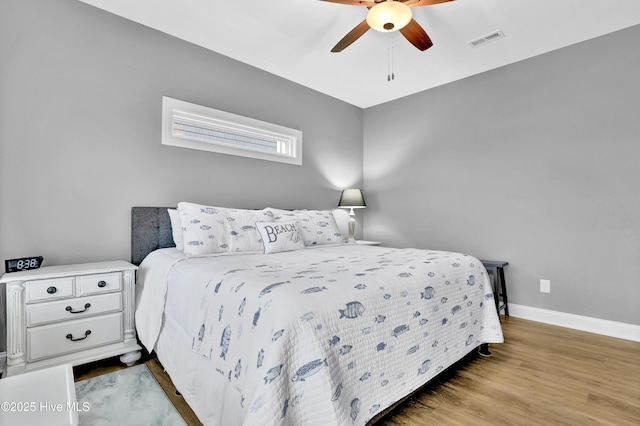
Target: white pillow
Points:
(203, 228)
(319, 227)
(279, 215)
(176, 229)
(281, 236)
(242, 234)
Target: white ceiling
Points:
(293, 38)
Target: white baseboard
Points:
(619, 330)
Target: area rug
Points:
(128, 397)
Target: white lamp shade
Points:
(389, 16)
(352, 198)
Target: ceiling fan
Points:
(388, 16)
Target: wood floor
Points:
(541, 375)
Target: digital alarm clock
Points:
(23, 263)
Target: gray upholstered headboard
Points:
(150, 230)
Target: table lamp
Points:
(352, 199)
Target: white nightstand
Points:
(70, 314)
(368, 243)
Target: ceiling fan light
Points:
(389, 16)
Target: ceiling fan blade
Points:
(351, 2)
(353, 35)
(416, 3)
(416, 35)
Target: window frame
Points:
(286, 140)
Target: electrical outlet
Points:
(545, 286)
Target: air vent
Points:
(486, 38)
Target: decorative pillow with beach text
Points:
(281, 236)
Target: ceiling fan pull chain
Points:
(390, 73)
(393, 76)
(389, 58)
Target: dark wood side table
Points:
(496, 267)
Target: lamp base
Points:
(352, 227)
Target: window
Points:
(193, 126)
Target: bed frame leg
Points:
(483, 350)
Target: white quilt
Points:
(329, 335)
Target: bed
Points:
(324, 334)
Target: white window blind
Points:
(194, 126)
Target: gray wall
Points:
(536, 163)
(80, 114)
(80, 105)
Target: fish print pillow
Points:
(319, 227)
(203, 228)
(279, 215)
(241, 232)
(281, 236)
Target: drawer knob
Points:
(70, 309)
(86, 334)
(52, 290)
(102, 284)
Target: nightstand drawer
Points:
(49, 289)
(72, 336)
(100, 283)
(71, 309)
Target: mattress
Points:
(329, 335)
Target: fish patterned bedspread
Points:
(334, 335)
